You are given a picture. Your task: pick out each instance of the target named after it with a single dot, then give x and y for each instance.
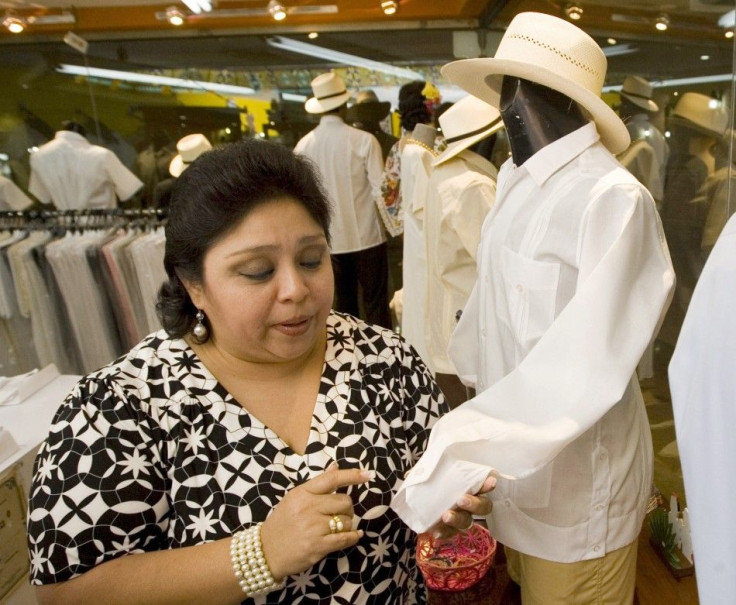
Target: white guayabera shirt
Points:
(574, 277)
(703, 384)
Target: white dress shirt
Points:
(574, 277)
(351, 166)
(12, 196)
(416, 165)
(703, 385)
(461, 192)
(73, 173)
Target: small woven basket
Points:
(457, 563)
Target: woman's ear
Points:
(194, 289)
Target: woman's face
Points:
(267, 286)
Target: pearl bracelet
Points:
(249, 563)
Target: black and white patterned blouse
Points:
(151, 452)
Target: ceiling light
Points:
(198, 6)
(729, 34)
(338, 57)
(662, 22)
(277, 10)
(611, 41)
(15, 25)
(313, 35)
(389, 7)
(574, 12)
(175, 16)
(130, 76)
(704, 57)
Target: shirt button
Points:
(519, 288)
(602, 457)
(599, 507)
(596, 548)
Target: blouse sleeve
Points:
(423, 402)
(98, 490)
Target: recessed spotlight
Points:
(704, 57)
(574, 12)
(662, 22)
(15, 25)
(277, 10)
(312, 35)
(611, 41)
(389, 7)
(174, 16)
(729, 34)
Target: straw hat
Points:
(329, 93)
(639, 91)
(189, 149)
(700, 112)
(367, 108)
(551, 52)
(465, 123)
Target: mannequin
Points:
(573, 279)
(535, 115)
(410, 303)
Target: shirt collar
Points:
(479, 162)
(72, 137)
(330, 118)
(554, 156)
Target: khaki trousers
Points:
(608, 580)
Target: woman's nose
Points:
(292, 285)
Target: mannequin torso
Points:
(535, 116)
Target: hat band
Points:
(460, 137)
(337, 94)
(633, 94)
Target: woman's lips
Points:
(295, 326)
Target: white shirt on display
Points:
(12, 196)
(351, 167)
(574, 277)
(703, 385)
(74, 174)
(462, 192)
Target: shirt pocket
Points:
(531, 295)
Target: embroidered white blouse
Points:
(574, 277)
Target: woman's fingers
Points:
(333, 479)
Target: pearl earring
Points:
(199, 331)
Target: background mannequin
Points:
(410, 304)
(72, 173)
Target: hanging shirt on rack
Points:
(72, 173)
(12, 196)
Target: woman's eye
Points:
(312, 263)
(258, 275)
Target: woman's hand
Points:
(305, 526)
(461, 517)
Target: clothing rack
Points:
(88, 218)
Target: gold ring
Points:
(336, 524)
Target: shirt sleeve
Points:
(36, 185)
(580, 367)
(98, 490)
(13, 195)
(126, 183)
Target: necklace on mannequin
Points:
(421, 144)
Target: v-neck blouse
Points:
(157, 454)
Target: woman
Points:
(252, 446)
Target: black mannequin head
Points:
(535, 116)
(73, 126)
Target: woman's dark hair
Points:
(212, 196)
(412, 107)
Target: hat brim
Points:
(453, 149)
(647, 104)
(675, 120)
(315, 105)
(482, 78)
(368, 112)
(177, 166)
